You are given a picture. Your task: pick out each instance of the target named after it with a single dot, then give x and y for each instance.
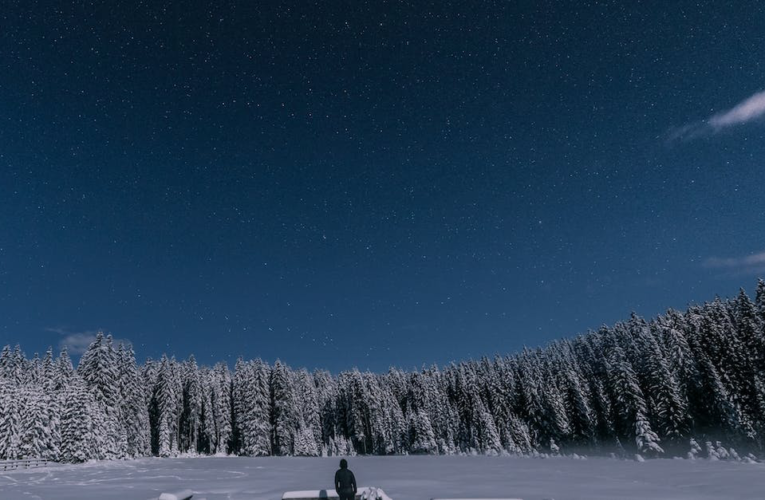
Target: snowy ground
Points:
(421, 478)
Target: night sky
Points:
(372, 183)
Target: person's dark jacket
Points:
(345, 482)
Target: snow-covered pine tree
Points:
(99, 369)
(167, 408)
(206, 435)
(574, 393)
(592, 361)
(134, 411)
(528, 402)
(759, 384)
(751, 359)
(422, 439)
(76, 423)
(715, 402)
(222, 408)
(760, 299)
(12, 365)
(191, 406)
(239, 384)
(48, 372)
(519, 435)
(357, 420)
(645, 438)
(285, 417)
(35, 425)
(671, 329)
(10, 419)
(64, 371)
(555, 424)
(5, 363)
(305, 444)
(749, 324)
(252, 408)
(666, 404)
(307, 406)
(716, 412)
(630, 404)
(378, 415)
(326, 393)
(395, 425)
(32, 373)
(439, 411)
(51, 395)
(479, 430)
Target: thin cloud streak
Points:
(750, 109)
(750, 264)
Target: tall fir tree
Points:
(11, 430)
(134, 411)
(77, 423)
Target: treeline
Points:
(645, 387)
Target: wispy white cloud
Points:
(750, 109)
(59, 330)
(77, 343)
(750, 264)
(747, 110)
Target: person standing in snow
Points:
(345, 482)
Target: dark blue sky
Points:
(368, 184)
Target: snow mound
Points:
(365, 493)
(177, 495)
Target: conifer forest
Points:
(669, 386)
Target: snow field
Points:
(402, 478)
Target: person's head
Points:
(343, 464)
